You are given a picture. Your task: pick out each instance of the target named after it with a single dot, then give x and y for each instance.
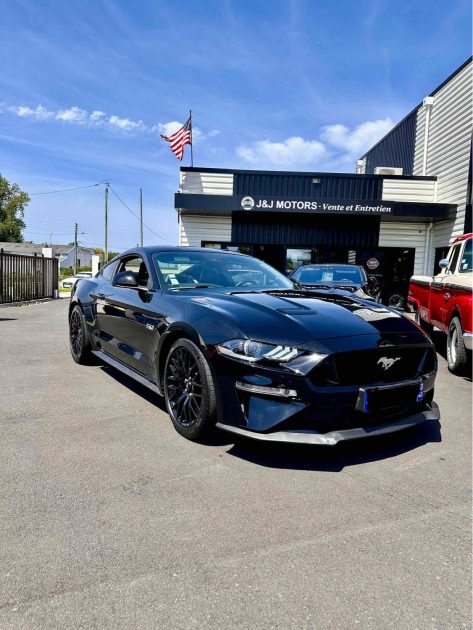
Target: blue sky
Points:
(87, 86)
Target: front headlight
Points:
(251, 351)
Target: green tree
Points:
(13, 202)
(100, 252)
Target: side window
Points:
(107, 272)
(138, 266)
(454, 259)
(465, 262)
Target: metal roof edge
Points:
(232, 171)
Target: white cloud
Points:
(40, 112)
(97, 116)
(168, 128)
(294, 150)
(74, 115)
(356, 141)
(125, 124)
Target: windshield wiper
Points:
(194, 286)
(317, 286)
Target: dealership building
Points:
(396, 215)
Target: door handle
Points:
(446, 296)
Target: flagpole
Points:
(192, 143)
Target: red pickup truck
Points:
(445, 301)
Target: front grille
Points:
(379, 365)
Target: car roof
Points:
(156, 249)
(463, 237)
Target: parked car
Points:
(445, 300)
(69, 283)
(230, 342)
(351, 278)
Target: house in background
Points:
(64, 253)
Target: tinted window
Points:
(137, 265)
(465, 262)
(107, 272)
(329, 274)
(177, 270)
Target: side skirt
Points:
(106, 358)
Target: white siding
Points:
(196, 183)
(195, 229)
(409, 190)
(405, 235)
(448, 148)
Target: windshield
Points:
(179, 270)
(329, 275)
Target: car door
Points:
(129, 318)
(439, 294)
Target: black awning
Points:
(305, 230)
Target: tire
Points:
(189, 390)
(79, 342)
(457, 356)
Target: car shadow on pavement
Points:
(336, 458)
(134, 386)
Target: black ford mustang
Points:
(229, 341)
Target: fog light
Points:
(268, 391)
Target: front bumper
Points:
(332, 438)
(277, 405)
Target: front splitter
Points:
(334, 437)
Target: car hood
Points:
(298, 317)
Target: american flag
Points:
(179, 139)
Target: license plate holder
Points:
(385, 397)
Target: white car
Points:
(68, 283)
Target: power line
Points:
(52, 192)
(137, 217)
(47, 232)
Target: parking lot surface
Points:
(110, 519)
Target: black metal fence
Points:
(27, 277)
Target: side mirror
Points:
(443, 264)
(125, 279)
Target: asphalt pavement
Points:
(110, 519)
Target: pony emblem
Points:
(387, 363)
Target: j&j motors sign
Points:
(288, 204)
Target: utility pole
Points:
(106, 224)
(141, 216)
(75, 247)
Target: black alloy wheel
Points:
(79, 341)
(189, 390)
